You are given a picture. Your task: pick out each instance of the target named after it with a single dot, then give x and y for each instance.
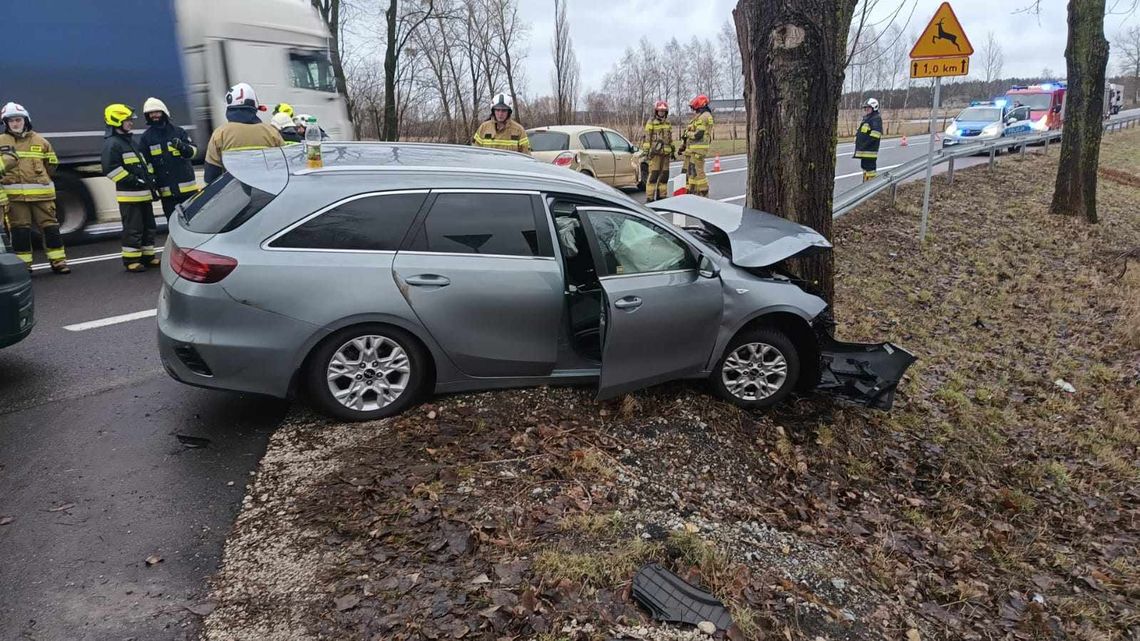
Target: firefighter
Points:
(283, 108)
(244, 130)
(500, 131)
(658, 148)
(867, 139)
(695, 146)
(285, 126)
(169, 149)
(135, 187)
(29, 164)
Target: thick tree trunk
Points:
(793, 54)
(1086, 56)
(391, 117)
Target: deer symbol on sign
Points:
(942, 35)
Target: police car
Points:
(988, 120)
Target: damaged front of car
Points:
(760, 292)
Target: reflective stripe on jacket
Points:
(28, 177)
(699, 133)
(128, 168)
(240, 136)
(172, 169)
(868, 137)
(511, 138)
(658, 131)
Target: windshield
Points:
(1031, 100)
(548, 141)
(980, 114)
(311, 70)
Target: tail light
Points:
(564, 159)
(199, 266)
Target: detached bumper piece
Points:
(670, 598)
(862, 373)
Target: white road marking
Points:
(86, 259)
(113, 320)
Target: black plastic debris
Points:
(670, 598)
(192, 441)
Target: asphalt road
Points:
(93, 478)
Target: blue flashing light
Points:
(1047, 87)
(1001, 103)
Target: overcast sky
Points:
(602, 29)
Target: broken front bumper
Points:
(863, 373)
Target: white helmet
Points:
(301, 120)
(872, 103)
(242, 95)
(154, 104)
(501, 101)
(281, 121)
(13, 110)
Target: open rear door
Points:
(660, 316)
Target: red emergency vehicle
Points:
(1046, 103)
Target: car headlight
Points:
(952, 130)
(992, 130)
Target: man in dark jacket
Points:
(135, 188)
(169, 149)
(867, 139)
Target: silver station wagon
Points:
(400, 270)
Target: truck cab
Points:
(1046, 103)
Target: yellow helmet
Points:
(283, 108)
(115, 115)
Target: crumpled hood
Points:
(757, 239)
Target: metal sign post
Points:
(929, 160)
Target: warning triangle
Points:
(944, 36)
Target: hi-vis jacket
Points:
(511, 138)
(868, 137)
(240, 136)
(658, 138)
(126, 165)
(163, 146)
(29, 178)
(698, 135)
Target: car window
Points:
(980, 114)
(630, 245)
(548, 140)
(224, 205)
(617, 143)
(372, 223)
(1021, 113)
(467, 223)
(592, 140)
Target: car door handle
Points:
(629, 302)
(428, 280)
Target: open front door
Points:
(659, 315)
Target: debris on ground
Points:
(192, 442)
(671, 599)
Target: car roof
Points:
(568, 129)
(270, 169)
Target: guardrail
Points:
(892, 178)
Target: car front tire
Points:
(366, 372)
(759, 368)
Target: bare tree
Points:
(511, 36)
(793, 54)
(993, 58)
(1086, 57)
(401, 25)
(1128, 46)
(329, 11)
(565, 65)
(1047, 73)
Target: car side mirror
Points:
(707, 268)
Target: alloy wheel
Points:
(754, 371)
(368, 373)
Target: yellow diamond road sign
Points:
(943, 37)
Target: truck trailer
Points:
(66, 60)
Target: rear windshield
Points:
(548, 141)
(1031, 100)
(223, 205)
(980, 114)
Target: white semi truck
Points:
(65, 60)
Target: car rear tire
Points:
(759, 368)
(366, 372)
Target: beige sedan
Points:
(596, 151)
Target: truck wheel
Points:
(74, 207)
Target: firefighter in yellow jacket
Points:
(658, 149)
(243, 130)
(695, 146)
(28, 163)
(501, 131)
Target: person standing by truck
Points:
(135, 188)
(867, 139)
(29, 163)
(169, 149)
(244, 130)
